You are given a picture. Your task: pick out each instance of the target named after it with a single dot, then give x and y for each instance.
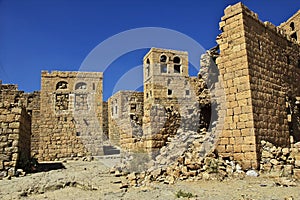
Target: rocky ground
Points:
(92, 180)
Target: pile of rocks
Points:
(181, 159)
(280, 162)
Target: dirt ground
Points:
(91, 180)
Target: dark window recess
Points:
(148, 67)
(163, 58)
(294, 35)
(147, 95)
(132, 117)
(187, 92)
(259, 45)
(170, 92)
(77, 133)
(62, 85)
(65, 119)
(288, 61)
(177, 68)
(116, 109)
(133, 107)
(176, 60)
(292, 25)
(163, 68)
(298, 63)
(9, 144)
(94, 87)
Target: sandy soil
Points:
(91, 180)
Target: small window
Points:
(177, 69)
(133, 107)
(187, 92)
(77, 133)
(294, 35)
(170, 92)
(147, 95)
(292, 25)
(61, 85)
(288, 61)
(163, 58)
(80, 86)
(116, 110)
(94, 87)
(148, 68)
(163, 68)
(298, 63)
(176, 60)
(259, 45)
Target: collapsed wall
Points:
(15, 133)
(125, 119)
(259, 66)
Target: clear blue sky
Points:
(40, 35)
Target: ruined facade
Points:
(258, 71)
(259, 66)
(70, 116)
(15, 130)
(125, 117)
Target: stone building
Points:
(70, 118)
(259, 66)
(125, 117)
(168, 95)
(258, 71)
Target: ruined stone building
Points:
(258, 72)
(70, 117)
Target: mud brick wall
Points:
(125, 119)
(70, 118)
(258, 66)
(15, 133)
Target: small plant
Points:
(181, 193)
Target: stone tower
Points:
(165, 86)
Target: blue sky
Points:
(40, 35)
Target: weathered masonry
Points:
(15, 130)
(259, 65)
(70, 116)
(125, 119)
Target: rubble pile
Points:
(280, 162)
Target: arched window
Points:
(176, 60)
(148, 68)
(61, 85)
(163, 58)
(292, 25)
(81, 86)
(177, 64)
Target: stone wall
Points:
(259, 67)
(170, 101)
(15, 133)
(292, 27)
(125, 119)
(70, 119)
